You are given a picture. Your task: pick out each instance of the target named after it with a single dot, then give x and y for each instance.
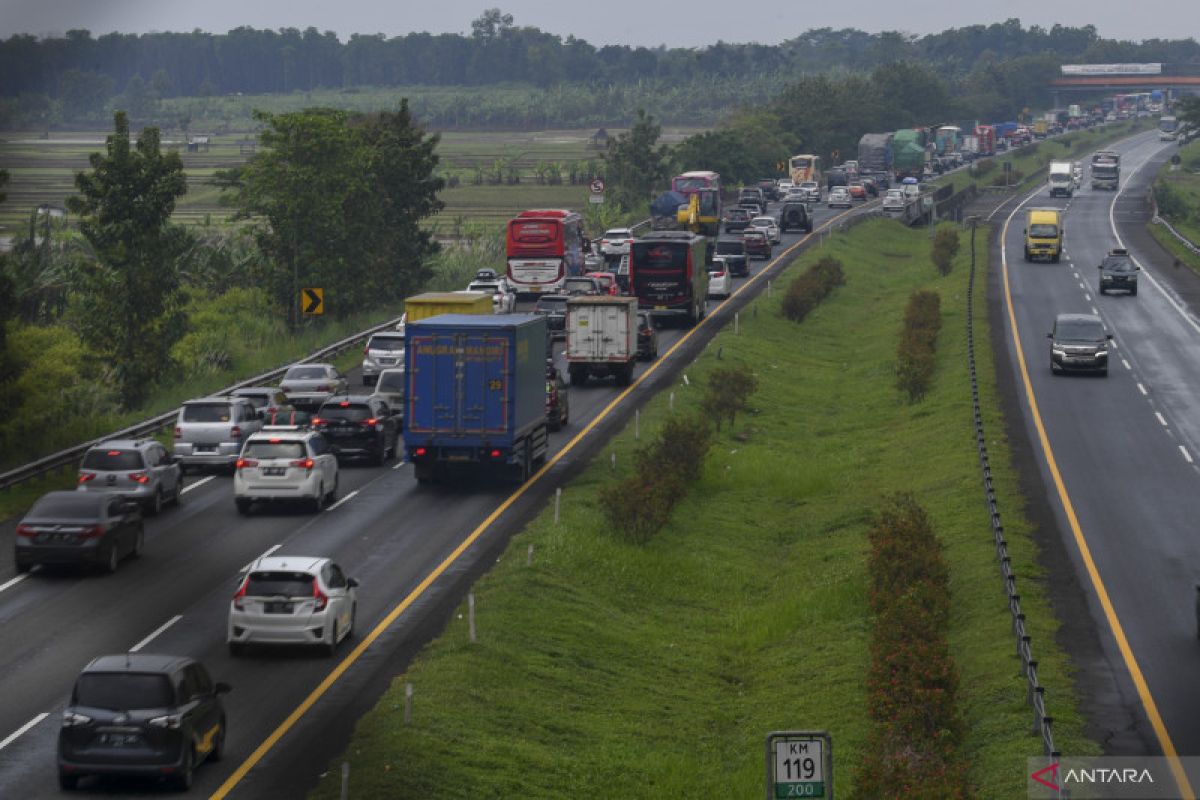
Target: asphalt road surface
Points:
(413, 549)
(1118, 455)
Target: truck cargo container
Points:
(476, 394)
(601, 338)
(908, 152)
(431, 304)
(1106, 170)
(875, 152)
(1062, 179)
(947, 139)
(987, 139)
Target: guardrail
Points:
(150, 426)
(1186, 242)
(1035, 692)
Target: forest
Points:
(79, 78)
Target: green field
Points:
(1183, 209)
(607, 669)
(43, 172)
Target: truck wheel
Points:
(1027, 258)
(424, 473)
(1133, 292)
(578, 374)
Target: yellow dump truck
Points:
(1044, 235)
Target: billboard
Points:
(1112, 69)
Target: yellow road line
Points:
(1135, 672)
(259, 752)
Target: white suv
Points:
(292, 600)
(616, 242)
(285, 463)
(382, 351)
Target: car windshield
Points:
(1043, 231)
(391, 380)
(1118, 264)
(552, 304)
(389, 343)
(618, 233)
(273, 448)
(123, 691)
(493, 288)
(305, 373)
(112, 460)
(66, 505)
(1079, 330)
(276, 584)
(207, 412)
(258, 397)
(352, 413)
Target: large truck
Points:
(1043, 235)
(946, 139)
(1168, 128)
(875, 152)
(601, 338)
(1106, 169)
(1062, 179)
(476, 394)
(908, 152)
(987, 140)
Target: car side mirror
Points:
(222, 688)
(351, 583)
(1025, 231)
(1049, 335)
(1108, 336)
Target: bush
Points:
(912, 684)
(728, 390)
(811, 287)
(1170, 201)
(945, 248)
(982, 168)
(918, 341)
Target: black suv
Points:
(794, 216)
(736, 219)
(647, 337)
(733, 251)
(1118, 271)
(1078, 343)
(357, 426)
(141, 714)
(554, 308)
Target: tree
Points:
(160, 84)
(636, 166)
(490, 24)
(83, 94)
(138, 99)
(1189, 112)
(129, 294)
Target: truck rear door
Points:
(598, 332)
(459, 384)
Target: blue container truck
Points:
(476, 394)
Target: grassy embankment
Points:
(607, 669)
(1178, 194)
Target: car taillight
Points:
(372, 423)
(320, 599)
(306, 463)
(92, 532)
(178, 432)
(235, 432)
(420, 452)
(323, 388)
(494, 454)
(242, 463)
(26, 532)
(365, 349)
(139, 477)
(283, 388)
(239, 596)
(318, 421)
(84, 477)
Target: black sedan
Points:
(554, 308)
(89, 528)
(358, 426)
(647, 337)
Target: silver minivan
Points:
(210, 431)
(384, 349)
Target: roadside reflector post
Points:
(768, 288)
(408, 690)
(736, 321)
(557, 503)
(529, 556)
(614, 459)
(671, 401)
(471, 616)
(345, 780)
(637, 424)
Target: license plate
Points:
(206, 448)
(535, 288)
(274, 470)
(458, 457)
(119, 739)
(387, 361)
(277, 607)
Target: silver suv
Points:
(210, 431)
(140, 469)
(383, 350)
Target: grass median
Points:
(609, 669)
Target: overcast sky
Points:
(634, 22)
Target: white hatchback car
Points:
(292, 600)
(720, 282)
(769, 226)
(504, 299)
(285, 463)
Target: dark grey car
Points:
(795, 216)
(79, 528)
(733, 250)
(309, 385)
(140, 469)
(157, 716)
(1078, 343)
(554, 308)
(210, 431)
(1118, 272)
(358, 426)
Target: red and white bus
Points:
(544, 247)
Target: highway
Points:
(1118, 455)
(413, 549)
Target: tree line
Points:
(82, 73)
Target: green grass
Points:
(1184, 183)
(611, 670)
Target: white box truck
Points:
(601, 338)
(1062, 179)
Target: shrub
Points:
(679, 449)
(728, 390)
(982, 168)
(1170, 201)
(918, 340)
(811, 287)
(945, 248)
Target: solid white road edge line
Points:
(1186, 454)
(345, 499)
(157, 631)
(1142, 389)
(1126, 363)
(19, 731)
(200, 482)
(1161, 419)
(13, 582)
